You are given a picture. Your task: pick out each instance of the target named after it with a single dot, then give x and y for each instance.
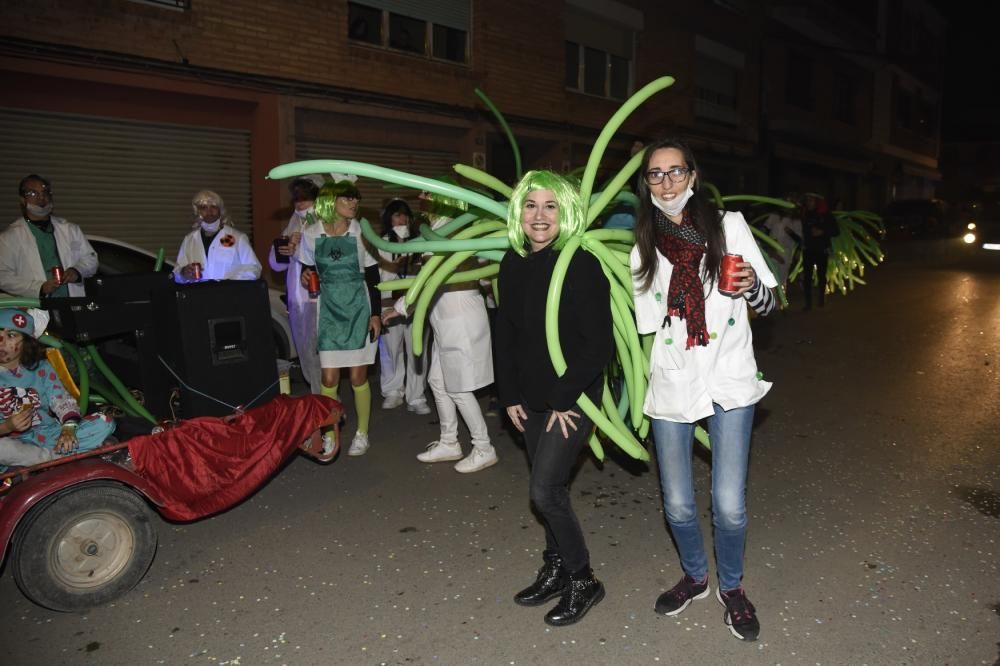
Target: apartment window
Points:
(364, 24)
(718, 70)
(843, 98)
(599, 47)
(717, 82)
(799, 81)
(434, 30)
(407, 34)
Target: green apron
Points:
(344, 307)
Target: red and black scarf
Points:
(684, 246)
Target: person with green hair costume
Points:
(349, 304)
(545, 212)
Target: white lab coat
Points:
(301, 310)
(21, 271)
(401, 373)
(684, 383)
(461, 336)
(231, 259)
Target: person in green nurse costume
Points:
(349, 304)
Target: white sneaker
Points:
(359, 445)
(420, 408)
(392, 402)
(477, 460)
(328, 443)
(441, 452)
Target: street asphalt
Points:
(874, 501)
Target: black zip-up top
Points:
(524, 371)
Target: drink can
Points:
(313, 278)
(727, 279)
(57, 274)
(196, 270)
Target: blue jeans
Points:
(730, 433)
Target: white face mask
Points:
(39, 211)
(402, 232)
(675, 207)
(301, 214)
(211, 227)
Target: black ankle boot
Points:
(582, 591)
(550, 582)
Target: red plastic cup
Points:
(196, 271)
(727, 277)
(57, 274)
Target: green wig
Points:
(326, 200)
(572, 220)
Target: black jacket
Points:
(524, 371)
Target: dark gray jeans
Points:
(552, 458)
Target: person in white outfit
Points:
(37, 242)
(402, 374)
(222, 251)
(461, 362)
(301, 309)
(786, 228)
(701, 366)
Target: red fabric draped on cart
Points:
(206, 465)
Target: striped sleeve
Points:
(761, 298)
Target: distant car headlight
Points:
(969, 238)
(970, 226)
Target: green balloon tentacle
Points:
(506, 128)
(421, 183)
(616, 121)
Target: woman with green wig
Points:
(545, 212)
(349, 304)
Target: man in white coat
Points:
(220, 251)
(37, 242)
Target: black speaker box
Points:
(216, 338)
(126, 287)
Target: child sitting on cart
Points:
(39, 419)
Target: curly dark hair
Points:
(705, 216)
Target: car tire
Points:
(84, 548)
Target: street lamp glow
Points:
(970, 226)
(969, 238)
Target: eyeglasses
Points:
(676, 175)
(31, 194)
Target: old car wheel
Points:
(84, 548)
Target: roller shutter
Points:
(125, 179)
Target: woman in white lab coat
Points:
(702, 367)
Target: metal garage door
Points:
(125, 179)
